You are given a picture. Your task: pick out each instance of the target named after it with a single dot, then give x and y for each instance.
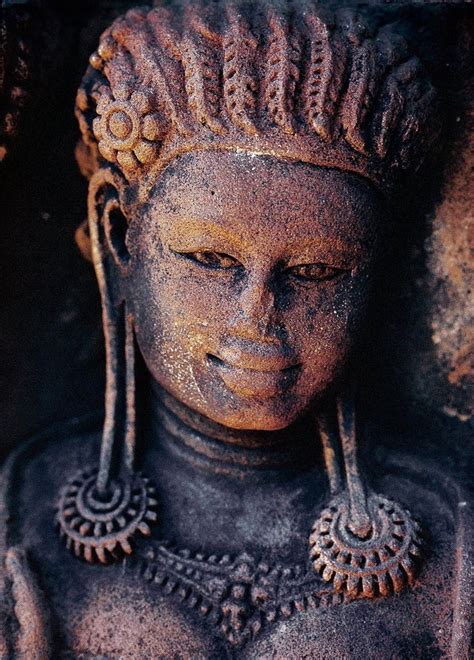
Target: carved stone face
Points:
(248, 282)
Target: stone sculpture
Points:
(242, 160)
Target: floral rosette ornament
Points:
(126, 128)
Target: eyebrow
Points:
(237, 240)
(200, 225)
(333, 243)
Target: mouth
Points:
(262, 380)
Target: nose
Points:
(255, 316)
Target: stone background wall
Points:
(419, 362)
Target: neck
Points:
(200, 438)
(228, 490)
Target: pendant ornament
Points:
(102, 528)
(364, 543)
(382, 563)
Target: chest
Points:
(170, 603)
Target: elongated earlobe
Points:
(363, 543)
(103, 508)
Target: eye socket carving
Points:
(316, 272)
(211, 259)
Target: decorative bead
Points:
(141, 101)
(152, 127)
(96, 127)
(107, 152)
(107, 48)
(120, 124)
(127, 160)
(96, 61)
(122, 92)
(146, 152)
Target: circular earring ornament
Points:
(102, 528)
(101, 511)
(363, 543)
(382, 563)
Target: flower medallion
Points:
(126, 128)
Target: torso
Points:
(178, 599)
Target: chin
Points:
(254, 416)
(255, 424)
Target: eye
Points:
(315, 272)
(211, 259)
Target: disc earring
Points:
(101, 510)
(363, 543)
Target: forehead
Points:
(246, 193)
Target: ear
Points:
(115, 227)
(108, 229)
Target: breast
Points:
(396, 628)
(116, 619)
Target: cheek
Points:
(325, 323)
(176, 311)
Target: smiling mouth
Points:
(255, 383)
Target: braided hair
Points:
(283, 77)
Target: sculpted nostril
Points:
(257, 308)
(210, 357)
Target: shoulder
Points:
(423, 469)
(35, 471)
(436, 490)
(45, 588)
(29, 481)
(433, 617)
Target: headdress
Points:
(282, 78)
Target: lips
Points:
(255, 370)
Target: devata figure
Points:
(242, 159)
